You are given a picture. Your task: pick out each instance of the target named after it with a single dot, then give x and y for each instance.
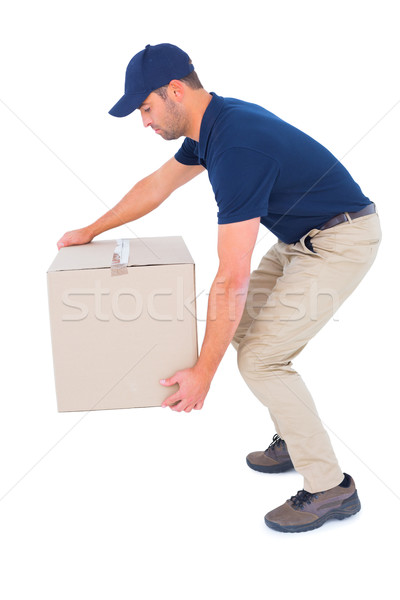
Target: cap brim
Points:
(127, 104)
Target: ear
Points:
(176, 90)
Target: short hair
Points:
(190, 80)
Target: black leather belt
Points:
(342, 218)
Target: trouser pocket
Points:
(308, 244)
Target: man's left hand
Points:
(193, 388)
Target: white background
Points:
(151, 503)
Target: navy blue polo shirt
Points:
(260, 166)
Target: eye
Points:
(147, 110)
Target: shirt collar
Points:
(210, 116)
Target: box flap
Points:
(142, 251)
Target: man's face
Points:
(166, 117)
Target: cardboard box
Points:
(120, 324)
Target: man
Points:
(262, 170)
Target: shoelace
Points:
(276, 441)
(302, 497)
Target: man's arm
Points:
(228, 292)
(225, 307)
(144, 197)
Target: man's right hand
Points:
(75, 238)
(144, 197)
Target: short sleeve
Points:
(242, 180)
(188, 153)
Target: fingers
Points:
(64, 241)
(188, 397)
(197, 406)
(170, 380)
(171, 400)
(174, 398)
(75, 238)
(176, 403)
(181, 405)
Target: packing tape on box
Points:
(119, 263)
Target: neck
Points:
(199, 101)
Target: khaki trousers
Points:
(293, 293)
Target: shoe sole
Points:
(350, 507)
(279, 468)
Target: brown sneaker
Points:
(275, 459)
(306, 511)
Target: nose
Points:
(146, 120)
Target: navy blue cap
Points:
(149, 70)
